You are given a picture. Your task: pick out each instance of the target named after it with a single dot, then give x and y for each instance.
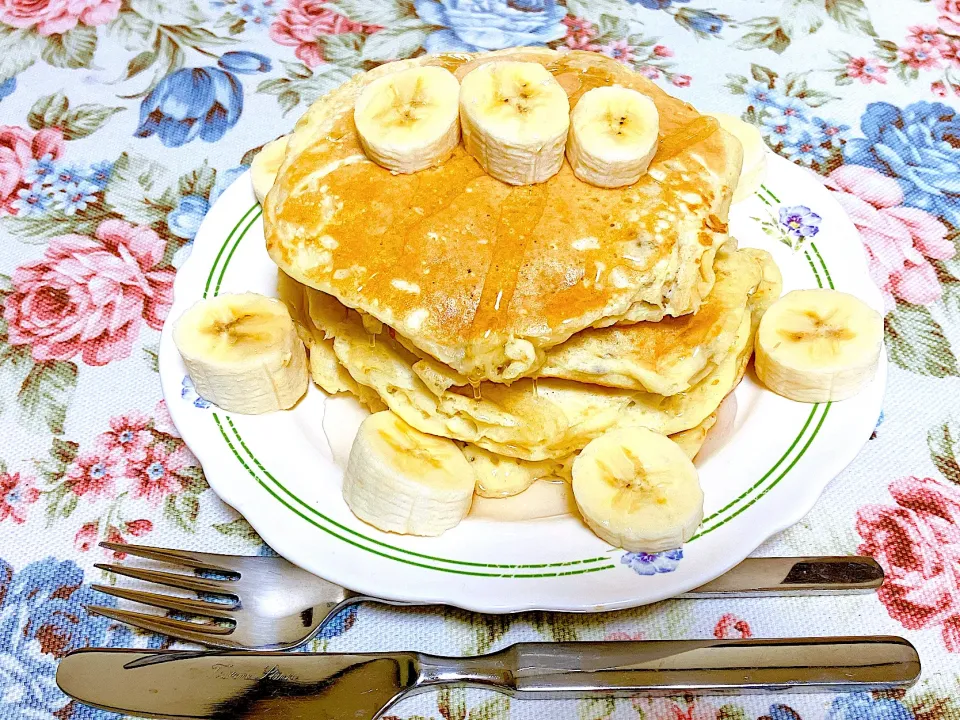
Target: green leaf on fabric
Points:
(767, 33)
(344, 49)
(151, 354)
(496, 708)
(69, 506)
(916, 342)
(396, 42)
(48, 111)
(43, 227)
(195, 480)
(596, 708)
(140, 62)
(163, 12)
(944, 444)
(72, 49)
(60, 455)
(613, 26)
(731, 712)
(293, 91)
(852, 15)
(374, 12)
(56, 499)
(182, 510)
(763, 75)
(296, 70)
(86, 119)
(198, 37)
(19, 49)
(140, 190)
(6, 284)
(239, 528)
(46, 392)
(452, 703)
(199, 181)
(133, 30)
(887, 50)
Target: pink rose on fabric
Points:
(55, 17)
(681, 80)
(917, 541)
(87, 295)
(899, 240)
(580, 33)
(94, 474)
(730, 627)
(160, 473)
(301, 22)
(19, 148)
(676, 709)
(86, 537)
(949, 20)
(867, 70)
(16, 493)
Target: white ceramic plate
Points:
(277, 470)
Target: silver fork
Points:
(267, 603)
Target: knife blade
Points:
(302, 686)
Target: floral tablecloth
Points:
(122, 121)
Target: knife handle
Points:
(674, 667)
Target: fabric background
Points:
(121, 121)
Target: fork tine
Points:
(184, 582)
(197, 561)
(168, 602)
(164, 626)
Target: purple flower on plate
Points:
(800, 221)
(652, 563)
(189, 393)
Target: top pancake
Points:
(484, 276)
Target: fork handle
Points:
(672, 667)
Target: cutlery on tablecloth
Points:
(275, 605)
(306, 686)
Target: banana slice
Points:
(515, 118)
(404, 481)
(266, 163)
(243, 353)
(754, 170)
(638, 490)
(818, 345)
(409, 120)
(613, 136)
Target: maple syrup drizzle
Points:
(686, 136)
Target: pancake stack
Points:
(520, 321)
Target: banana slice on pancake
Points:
(638, 490)
(613, 136)
(243, 353)
(266, 163)
(515, 118)
(409, 120)
(754, 169)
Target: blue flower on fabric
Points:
(792, 107)
(652, 563)
(919, 146)
(829, 132)
(656, 4)
(191, 102)
(75, 197)
(67, 176)
(189, 393)
(32, 201)
(805, 148)
(339, 623)
(100, 173)
(474, 25)
(782, 712)
(184, 220)
(703, 21)
(778, 128)
(863, 706)
(7, 87)
(800, 221)
(762, 96)
(42, 618)
(41, 172)
(244, 62)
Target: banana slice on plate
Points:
(818, 345)
(243, 353)
(638, 490)
(401, 480)
(515, 118)
(613, 136)
(754, 169)
(266, 163)
(409, 120)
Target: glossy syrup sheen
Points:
(489, 260)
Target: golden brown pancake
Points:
(484, 276)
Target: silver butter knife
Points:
(303, 686)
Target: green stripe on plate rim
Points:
(747, 499)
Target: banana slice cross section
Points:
(613, 136)
(243, 353)
(401, 480)
(818, 345)
(638, 490)
(754, 169)
(515, 118)
(265, 164)
(409, 120)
